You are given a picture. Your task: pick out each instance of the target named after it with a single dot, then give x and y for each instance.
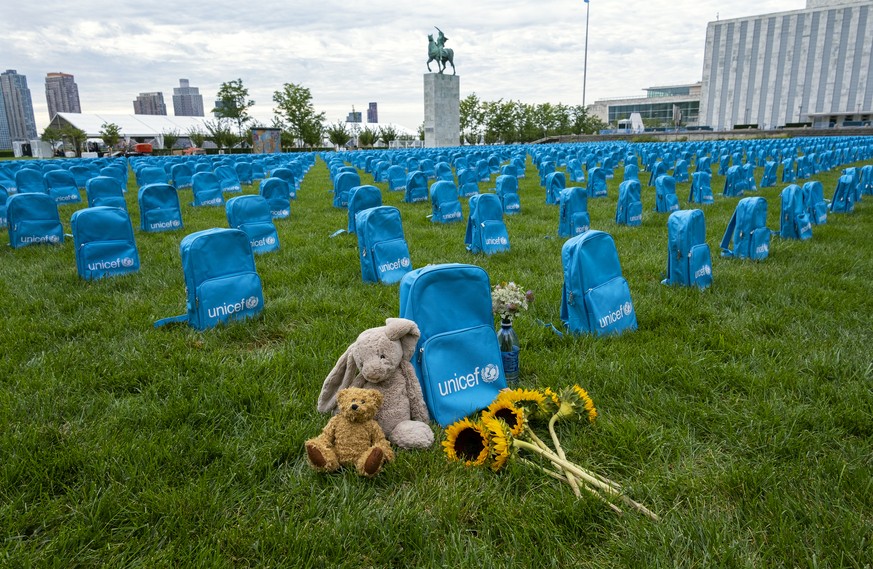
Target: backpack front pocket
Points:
(228, 298)
(495, 238)
(609, 307)
(700, 266)
(391, 260)
(580, 222)
(36, 232)
(462, 372)
(99, 259)
(162, 219)
(759, 244)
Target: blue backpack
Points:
(595, 297)
(361, 198)
(768, 179)
(344, 182)
(844, 196)
(104, 190)
(103, 242)
(554, 182)
(445, 206)
(4, 195)
(629, 208)
(458, 360)
(573, 217)
(794, 219)
(252, 214)
(62, 186)
(206, 189)
(486, 231)
(507, 190)
(468, 182)
(701, 188)
(220, 279)
(382, 247)
(277, 192)
(597, 182)
(748, 230)
(666, 200)
(33, 219)
(288, 176)
(689, 262)
(416, 187)
(814, 202)
(159, 208)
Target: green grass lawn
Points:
(742, 414)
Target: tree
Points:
(170, 139)
(294, 108)
(221, 135)
(367, 137)
(75, 137)
(233, 104)
(53, 136)
(471, 117)
(196, 137)
(338, 134)
(110, 133)
(387, 134)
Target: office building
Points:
(187, 100)
(666, 106)
(150, 104)
(372, 114)
(18, 107)
(61, 94)
(803, 66)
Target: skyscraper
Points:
(187, 101)
(19, 107)
(372, 114)
(61, 94)
(150, 104)
(5, 139)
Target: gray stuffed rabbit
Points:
(382, 355)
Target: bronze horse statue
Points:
(436, 51)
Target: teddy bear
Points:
(352, 437)
(379, 359)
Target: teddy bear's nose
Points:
(354, 406)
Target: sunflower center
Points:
(469, 444)
(507, 416)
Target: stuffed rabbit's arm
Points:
(417, 408)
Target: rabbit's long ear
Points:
(339, 378)
(404, 330)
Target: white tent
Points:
(131, 126)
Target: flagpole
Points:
(585, 69)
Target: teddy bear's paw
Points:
(317, 458)
(374, 462)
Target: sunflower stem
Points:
(570, 478)
(558, 476)
(584, 475)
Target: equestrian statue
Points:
(436, 51)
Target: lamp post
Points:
(585, 68)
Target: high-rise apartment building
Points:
(19, 106)
(5, 139)
(372, 114)
(187, 100)
(61, 94)
(150, 104)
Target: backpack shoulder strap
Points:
(171, 320)
(728, 235)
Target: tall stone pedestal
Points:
(442, 110)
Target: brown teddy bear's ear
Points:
(404, 330)
(340, 377)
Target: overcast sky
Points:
(350, 53)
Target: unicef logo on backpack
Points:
(627, 308)
(127, 262)
(53, 238)
(252, 302)
(490, 373)
(404, 262)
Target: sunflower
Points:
(501, 442)
(466, 441)
(587, 403)
(529, 400)
(551, 402)
(508, 413)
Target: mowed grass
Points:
(742, 414)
